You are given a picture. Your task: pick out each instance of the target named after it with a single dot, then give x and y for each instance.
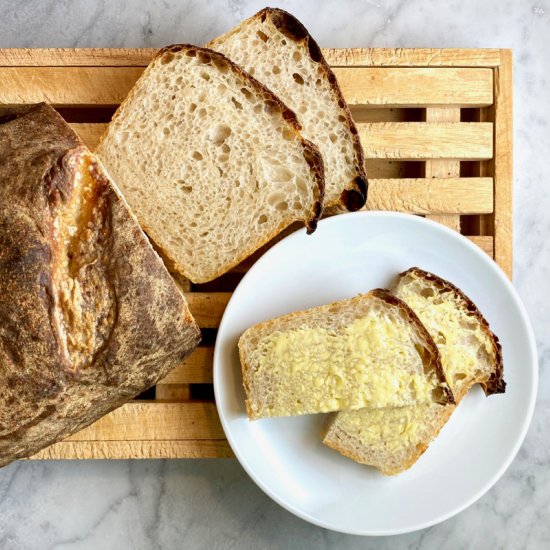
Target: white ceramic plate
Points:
(351, 254)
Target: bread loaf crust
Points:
(89, 316)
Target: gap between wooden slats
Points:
(101, 86)
(393, 140)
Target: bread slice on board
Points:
(89, 316)
(368, 351)
(211, 162)
(393, 439)
(277, 49)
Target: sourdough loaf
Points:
(89, 316)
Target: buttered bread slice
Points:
(368, 351)
(392, 440)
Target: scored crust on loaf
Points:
(89, 316)
(367, 351)
(212, 163)
(277, 49)
(392, 440)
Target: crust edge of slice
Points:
(334, 435)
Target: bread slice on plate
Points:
(277, 49)
(89, 316)
(368, 351)
(212, 163)
(393, 439)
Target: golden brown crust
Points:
(496, 383)
(89, 316)
(311, 152)
(355, 195)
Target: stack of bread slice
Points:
(215, 162)
(393, 365)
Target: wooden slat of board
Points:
(190, 448)
(353, 57)
(196, 369)
(416, 87)
(424, 140)
(89, 133)
(107, 86)
(411, 57)
(444, 168)
(503, 163)
(207, 307)
(432, 196)
(148, 421)
(67, 86)
(79, 57)
(486, 243)
(392, 140)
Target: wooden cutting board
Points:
(436, 126)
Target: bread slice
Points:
(89, 316)
(211, 162)
(276, 49)
(368, 351)
(393, 439)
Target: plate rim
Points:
(531, 343)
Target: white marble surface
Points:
(213, 504)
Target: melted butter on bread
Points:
(316, 369)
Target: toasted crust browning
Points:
(445, 395)
(353, 193)
(89, 316)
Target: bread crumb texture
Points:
(290, 65)
(208, 162)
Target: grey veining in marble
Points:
(213, 504)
